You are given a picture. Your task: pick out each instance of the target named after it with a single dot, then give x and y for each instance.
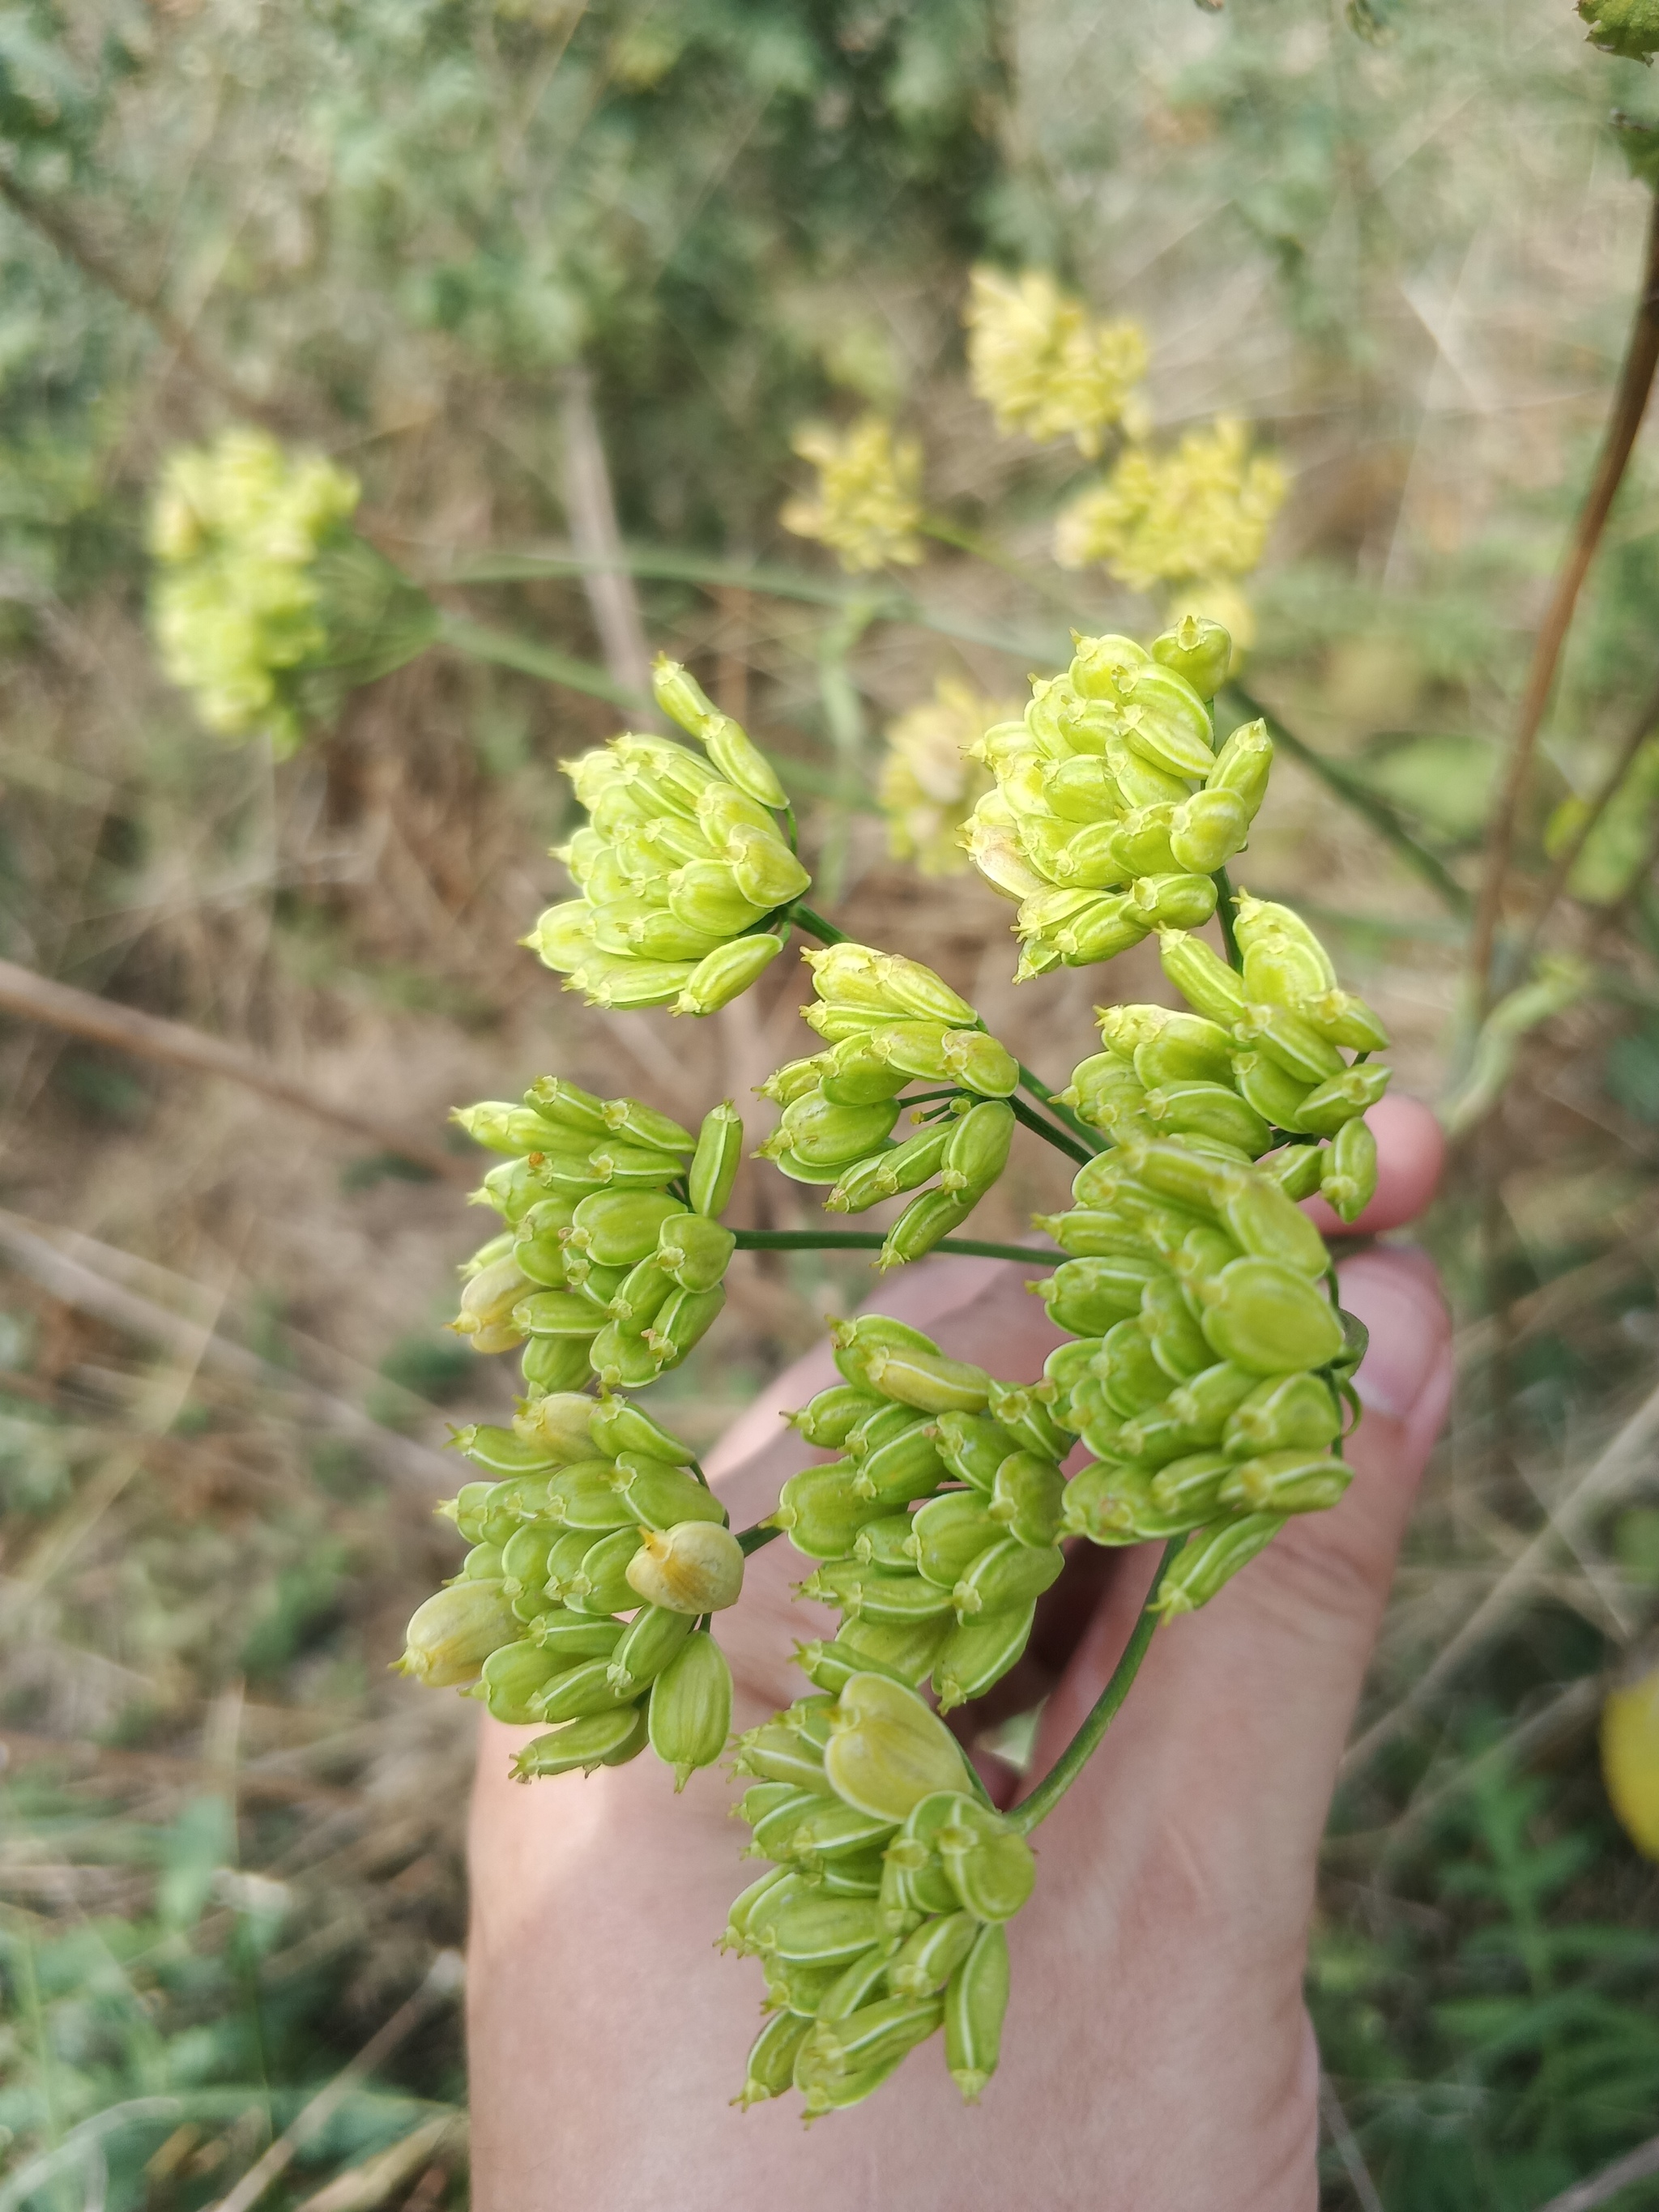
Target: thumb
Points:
(1231, 1739)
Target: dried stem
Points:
(1567, 859)
(1630, 404)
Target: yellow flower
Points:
(928, 785)
(236, 528)
(868, 506)
(1630, 1759)
(1041, 362)
(1203, 510)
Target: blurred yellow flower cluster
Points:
(928, 785)
(236, 527)
(1199, 513)
(868, 506)
(1044, 366)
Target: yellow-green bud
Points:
(1201, 976)
(690, 1709)
(948, 1535)
(921, 1224)
(972, 1446)
(887, 1750)
(1342, 1099)
(727, 972)
(987, 1861)
(694, 1567)
(1008, 1575)
(926, 1380)
(608, 1738)
(1208, 829)
(975, 2000)
(453, 1634)
(1266, 1317)
(1298, 1169)
(1348, 1182)
(694, 1251)
(979, 1652)
(771, 2066)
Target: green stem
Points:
(1223, 915)
(1039, 1089)
(814, 924)
(871, 1240)
(531, 657)
(1062, 1143)
(1064, 1772)
(750, 1540)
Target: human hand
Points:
(1157, 2056)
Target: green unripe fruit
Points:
(1292, 1410)
(512, 1677)
(1208, 829)
(979, 1652)
(972, 1446)
(823, 1508)
(771, 2065)
(887, 1751)
(1301, 1481)
(645, 1646)
(1343, 1098)
(975, 2002)
(1201, 976)
(1262, 1316)
(690, 1709)
(830, 1418)
(455, 1630)
(726, 971)
(1348, 1183)
(1213, 1558)
(1199, 652)
(927, 1218)
(948, 1535)
(1299, 1170)
(1086, 1297)
(696, 1567)
(579, 1691)
(1006, 1576)
(987, 1861)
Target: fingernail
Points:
(1408, 1329)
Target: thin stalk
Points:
(1356, 793)
(1223, 915)
(1040, 1090)
(1035, 1808)
(1049, 1133)
(1629, 406)
(751, 1540)
(814, 924)
(1567, 859)
(871, 1240)
(531, 657)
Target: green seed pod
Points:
(887, 1750)
(1291, 1410)
(580, 1691)
(741, 1913)
(1213, 1558)
(859, 976)
(867, 1183)
(726, 971)
(700, 891)
(599, 1285)
(1089, 1232)
(857, 1983)
(524, 1568)
(512, 1677)
(1298, 1169)
(554, 1313)
(542, 1258)
(1303, 1480)
(829, 1829)
(1130, 1377)
(883, 1426)
(607, 1739)
(778, 1752)
(888, 1542)
(1200, 652)
(830, 1666)
(1027, 1420)
(1262, 1316)
(926, 1960)
(562, 938)
(860, 1074)
(1265, 1222)
(1105, 1091)
(1260, 918)
(916, 1048)
(470, 1510)
(927, 1218)
(1165, 721)
(1087, 1297)
(987, 1861)
(617, 1426)
(1154, 1438)
(1275, 1096)
(869, 1594)
(1201, 976)
(979, 1063)
(1100, 661)
(1285, 971)
(843, 2060)
(901, 1466)
(1204, 1403)
(694, 1567)
(1105, 1502)
(822, 1134)
(796, 1990)
(1026, 1499)
(510, 1189)
(830, 1418)
(904, 1650)
(972, 1446)
(771, 1809)
(826, 1931)
(569, 1636)
(1100, 930)
(565, 1583)
(690, 1709)
(455, 1630)
(1348, 1183)
(1208, 829)
(975, 2002)
(605, 1567)
(913, 1883)
(1207, 1110)
(764, 870)
(1064, 1368)
(1344, 1098)
(1244, 764)
(1345, 1019)
(948, 1534)
(1183, 1049)
(926, 1380)
(482, 1563)
(694, 1251)
(1008, 1576)
(771, 2067)
(502, 1451)
(625, 1362)
(501, 1127)
(1190, 1490)
(976, 1149)
(590, 1496)
(724, 812)
(645, 1646)
(717, 1158)
(640, 1297)
(683, 1324)
(1296, 1046)
(1201, 1252)
(822, 1509)
(1173, 901)
(979, 1652)
(566, 1106)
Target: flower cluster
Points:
(868, 506)
(936, 1530)
(1111, 811)
(928, 784)
(612, 1261)
(1201, 511)
(1044, 366)
(267, 601)
(587, 1510)
(1628, 28)
(1208, 1370)
(680, 867)
(881, 1919)
(890, 1021)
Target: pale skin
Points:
(1157, 2057)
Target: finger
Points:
(1218, 1772)
(1411, 1152)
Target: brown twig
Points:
(591, 511)
(1639, 2165)
(1567, 859)
(37, 999)
(1630, 404)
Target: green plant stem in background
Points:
(871, 1240)
(1050, 1135)
(814, 924)
(1040, 1090)
(1356, 793)
(504, 649)
(1077, 1754)
(1629, 406)
(1567, 859)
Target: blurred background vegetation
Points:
(559, 284)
